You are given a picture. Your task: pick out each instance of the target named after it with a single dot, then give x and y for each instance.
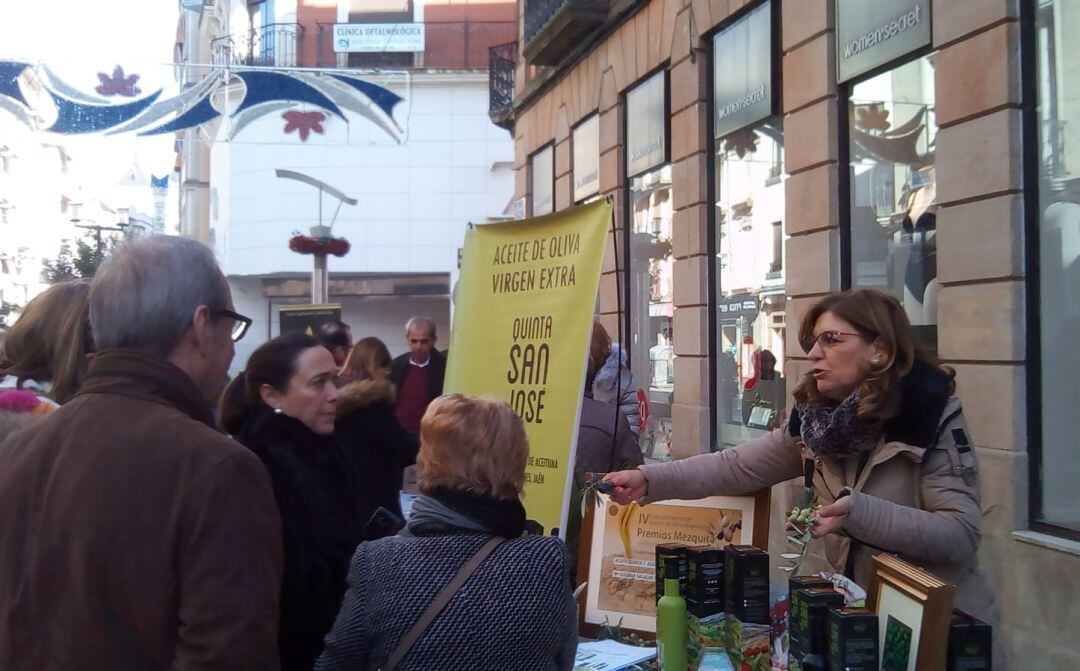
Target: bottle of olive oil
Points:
(671, 622)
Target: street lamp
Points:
(320, 278)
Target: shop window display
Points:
(1058, 114)
(651, 306)
(892, 129)
(749, 272)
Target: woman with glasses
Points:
(878, 434)
(282, 408)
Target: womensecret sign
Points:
(870, 34)
(743, 72)
(646, 125)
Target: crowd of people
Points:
(155, 514)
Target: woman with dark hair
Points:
(282, 408)
(878, 428)
(378, 448)
(513, 610)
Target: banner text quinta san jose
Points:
(527, 373)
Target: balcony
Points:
(276, 44)
(502, 60)
(554, 27)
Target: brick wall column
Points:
(690, 157)
(612, 160)
(811, 193)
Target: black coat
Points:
(436, 372)
(316, 496)
(374, 443)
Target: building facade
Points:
(762, 154)
(420, 172)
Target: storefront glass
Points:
(651, 307)
(892, 128)
(750, 319)
(1058, 50)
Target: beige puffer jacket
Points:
(917, 496)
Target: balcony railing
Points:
(554, 27)
(502, 60)
(274, 44)
(448, 45)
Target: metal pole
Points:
(319, 281)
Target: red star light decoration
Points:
(118, 84)
(304, 122)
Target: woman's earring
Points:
(277, 411)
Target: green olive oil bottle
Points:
(671, 622)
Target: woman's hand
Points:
(831, 517)
(629, 485)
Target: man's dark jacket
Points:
(134, 535)
(436, 370)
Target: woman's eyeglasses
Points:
(240, 322)
(827, 339)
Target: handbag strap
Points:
(443, 598)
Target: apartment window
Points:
(893, 204)
(748, 229)
(650, 263)
(750, 293)
(1057, 468)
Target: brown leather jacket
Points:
(133, 535)
(917, 496)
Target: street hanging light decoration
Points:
(320, 243)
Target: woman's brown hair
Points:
(599, 347)
(877, 317)
(51, 340)
(472, 444)
(367, 360)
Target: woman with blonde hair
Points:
(515, 610)
(378, 448)
(880, 437)
(44, 355)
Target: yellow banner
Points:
(522, 324)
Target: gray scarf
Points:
(428, 511)
(453, 511)
(836, 431)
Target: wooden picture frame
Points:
(914, 608)
(596, 569)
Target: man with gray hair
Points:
(418, 375)
(133, 534)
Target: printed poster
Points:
(622, 562)
(521, 330)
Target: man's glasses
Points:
(241, 324)
(827, 339)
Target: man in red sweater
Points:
(417, 375)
